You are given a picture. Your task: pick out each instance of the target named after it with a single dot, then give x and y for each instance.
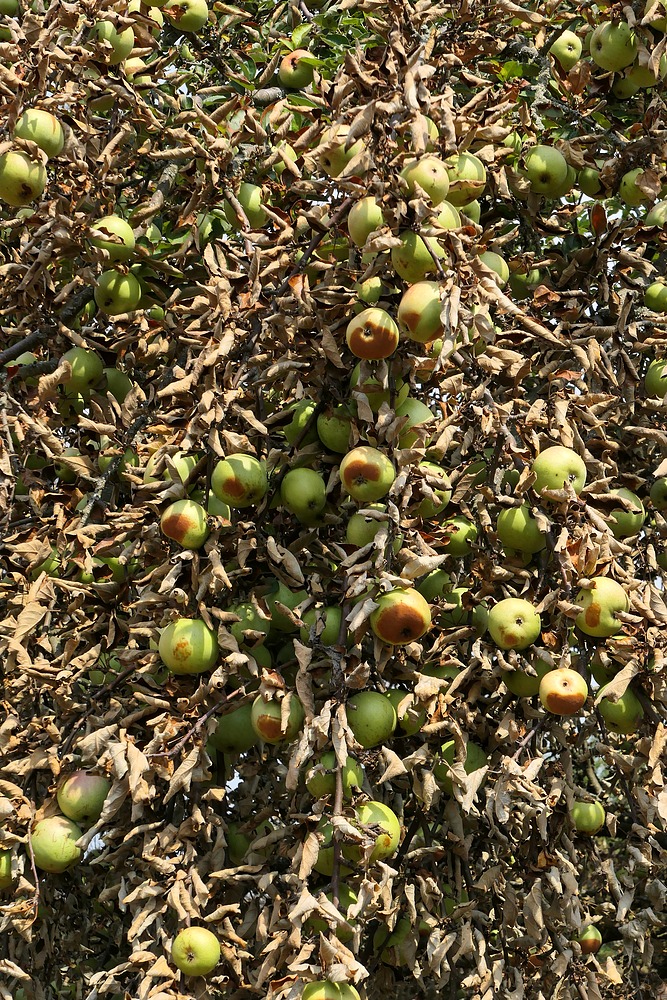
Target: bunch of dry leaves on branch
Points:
(333, 480)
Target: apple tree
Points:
(333, 492)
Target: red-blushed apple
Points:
(517, 529)
(555, 466)
(294, 70)
(474, 760)
(364, 218)
(589, 939)
(624, 714)
(366, 474)
(402, 616)
(459, 536)
(234, 732)
(467, 178)
(324, 990)
(523, 684)
(514, 623)
(413, 260)
(54, 844)
(266, 720)
(587, 816)
(371, 717)
(304, 493)
(195, 951)
(376, 814)
(321, 776)
(419, 312)
(240, 480)
(188, 646)
(430, 174)
(372, 334)
(563, 691)
(600, 605)
(185, 522)
(334, 427)
(412, 716)
(626, 521)
(81, 796)
(327, 635)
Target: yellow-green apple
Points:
(589, 939)
(334, 154)
(240, 480)
(325, 858)
(555, 466)
(622, 715)
(402, 616)
(523, 283)
(657, 215)
(127, 459)
(523, 684)
(589, 181)
(81, 796)
(545, 168)
(658, 493)
(117, 383)
(327, 634)
(566, 49)
(116, 292)
(324, 990)
(22, 179)
(54, 844)
(371, 717)
(655, 296)
(587, 816)
(364, 218)
(563, 691)
(377, 815)
(419, 312)
(188, 646)
(234, 732)
(372, 334)
(459, 536)
(6, 877)
(655, 380)
(428, 173)
(295, 70)
(251, 199)
(496, 263)
(186, 15)
(114, 235)
(626, 521)
(517, 529)
(514, 623)
(475, 758)
(43, 128)
(347, 897)
(86, 369)
(237, 843)
(448, 216)
(644, 77)
(629, 190)
(412, 716)
(304, 493)
(291, 599)
(467, 178)
(333, 428)
(183, 465)
(653, 13)
(266, 720)
(600, 604)
(302, 413)
(625, 87)
(436, 488)
(366, 474)
(371, 290)
(195, 951)
(250, 620)
(412, 259)
(613, 46)
(374, 392)
(473, 211)
(457, 613)
(417, 415)
(362, 529)
(64, 473)
(435, 584)
(118, 44)
(321, 776)
(566, 186)
(185, 522)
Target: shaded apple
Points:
(467, 178)
(321, 776)
(523, 684)
(626, 521)
(333, 428)
(114, 235)
(234, 732)
(459, 536)
(517, 528)
(624, 714)
(327, 635)
(412, 717)
(475, 759)
(303, 492)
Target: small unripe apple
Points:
(188, 646)
(587, 816)
(333, 428)
(623, 521)
(303, 492)
(347, 897)
(251, 199)
(81, 796)
(185, 522)
(22, 180)
(235, 733)
(54, 844)
(589, 939)
(475, 758)
(601, 603)
(86, 368)
(366, 474)
(266, 720)
(402, 616)
(437, 481)
(240, 480)
(555, 466)
(294, 71)
(195, 951)
(624, 714)
(563, 691)
(324, 990)
(6, 877)
(459, 536)
(655, 380)
(655, 296)
(42, 128)
(321, 777)
(361, 529)
(372, 334)
(430, 174)
(517, 528)
(371, 717)
(117, 293)
(114, 235)
(332, 618)
(514, 623)
(467, 178)
(412, 717)
(523, 684)
(376, 814)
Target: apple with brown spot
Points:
(589, 940)
(366, 474)
(419, 312)
(514, 623)
(266, 720)
(240, 480)
(188, 646)
(185, 522)
(372, 334)
(600, 605)
(402, 616)
(563, 691)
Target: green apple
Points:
(448, 217)
(117, 44)
(114, 235)
(655, 296)
(498, 265)
(435, 584)
(613, 46)
(324, 990)
(657, 216)
(412, 260)
(188, 646)
(234, 732)
(372, 334)
(376, 815)
(371, 717)
(589, 939)
(563, 691)
(629, 191)
(295, 70)
(333, 428)
(523, 283)
(327, 635)
(567, 50)
(361, 529)
(658, 493)
(22, 179)
(250, 620)
(589, 181)
(655, 380)
(186, 15)
(347, 897)
(517, 529)
(653, 12)
(402, 616)
(43, 128)
(301, 416)
(321, 776)
(195, 951)
(6, 877)
(366, 474)
(473, 211)
(304, 493)
(412, 717)
(117, 293)
(460, 534)
(428, 173)
(555, 466)
(54, 844)
(86, 369)
(183, 465)
(375, 393)
(475, 759)
(624, 714)
(600, 604)
(525, 685)
(117, 383)
(291, 599)
(514, 623)
(267, 721)
(364, 218)
(419, 312)
(334, 155)
(418, 415)
(587, 816)
(371, 290)
(185, 522)
(545, 168)
(567, 185)
(623, 521)
(81, 796)
(467, 178)
(240, 480)
(251, 199)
